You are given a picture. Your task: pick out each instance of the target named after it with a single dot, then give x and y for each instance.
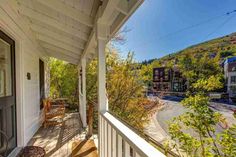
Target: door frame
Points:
(20, 138)
(11, 98)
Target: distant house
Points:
(230, 75)
(169, 80)
(161, 79)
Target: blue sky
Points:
(154, 25)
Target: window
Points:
(5, 69)
(41, 82)
(161, 73)
(156, 78)
(156, 72)
(233, 68)
(233, 79)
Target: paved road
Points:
(173, 108)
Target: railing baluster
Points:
(127, 150)
(114, 142)
(109, 140)
(119, 146)
(117, 140)
(103, 134)
(100, 135)
(105, 139)
(136, 154)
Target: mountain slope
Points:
(225, 46)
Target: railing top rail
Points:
(141, 146)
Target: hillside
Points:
(225, 46)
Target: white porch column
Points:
(80, 92)
(102, 99)
(84, 101)
(102, 40)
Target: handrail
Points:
(167, 151)
(149, 139)
(142, 147)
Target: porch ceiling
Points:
(65, 29)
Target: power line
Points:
(191, 26)
(196, 25)
(228, 13)
(221, 25)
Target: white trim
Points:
(15, 152)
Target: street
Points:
(158, 127)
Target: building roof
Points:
(230, 60)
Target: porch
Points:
(69, 139)
(58, 140)
(76, 32)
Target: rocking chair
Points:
(52, 115)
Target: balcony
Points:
(116, 139)
(76, 33)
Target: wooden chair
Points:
(53, 115)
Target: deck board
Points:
(58, 140)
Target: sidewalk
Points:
(155, 130)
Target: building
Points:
(169, 80)
(162, 79)
(73, 31)
(179, 83)
(230, 75)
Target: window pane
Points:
(233, 79)
(5, 69)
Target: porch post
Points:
(102, 99)
(84, 116)
(101, 41)
(80, 92)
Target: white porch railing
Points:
(117, 140)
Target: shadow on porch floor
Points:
(64, 140)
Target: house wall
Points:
(231, 86)
(27, 54)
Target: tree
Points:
(124, 88)
(201, 72)
(194, 131)
(63, 80)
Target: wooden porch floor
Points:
(59, 141)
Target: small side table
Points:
(32, 151)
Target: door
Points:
(7, 93)
(41, 82)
